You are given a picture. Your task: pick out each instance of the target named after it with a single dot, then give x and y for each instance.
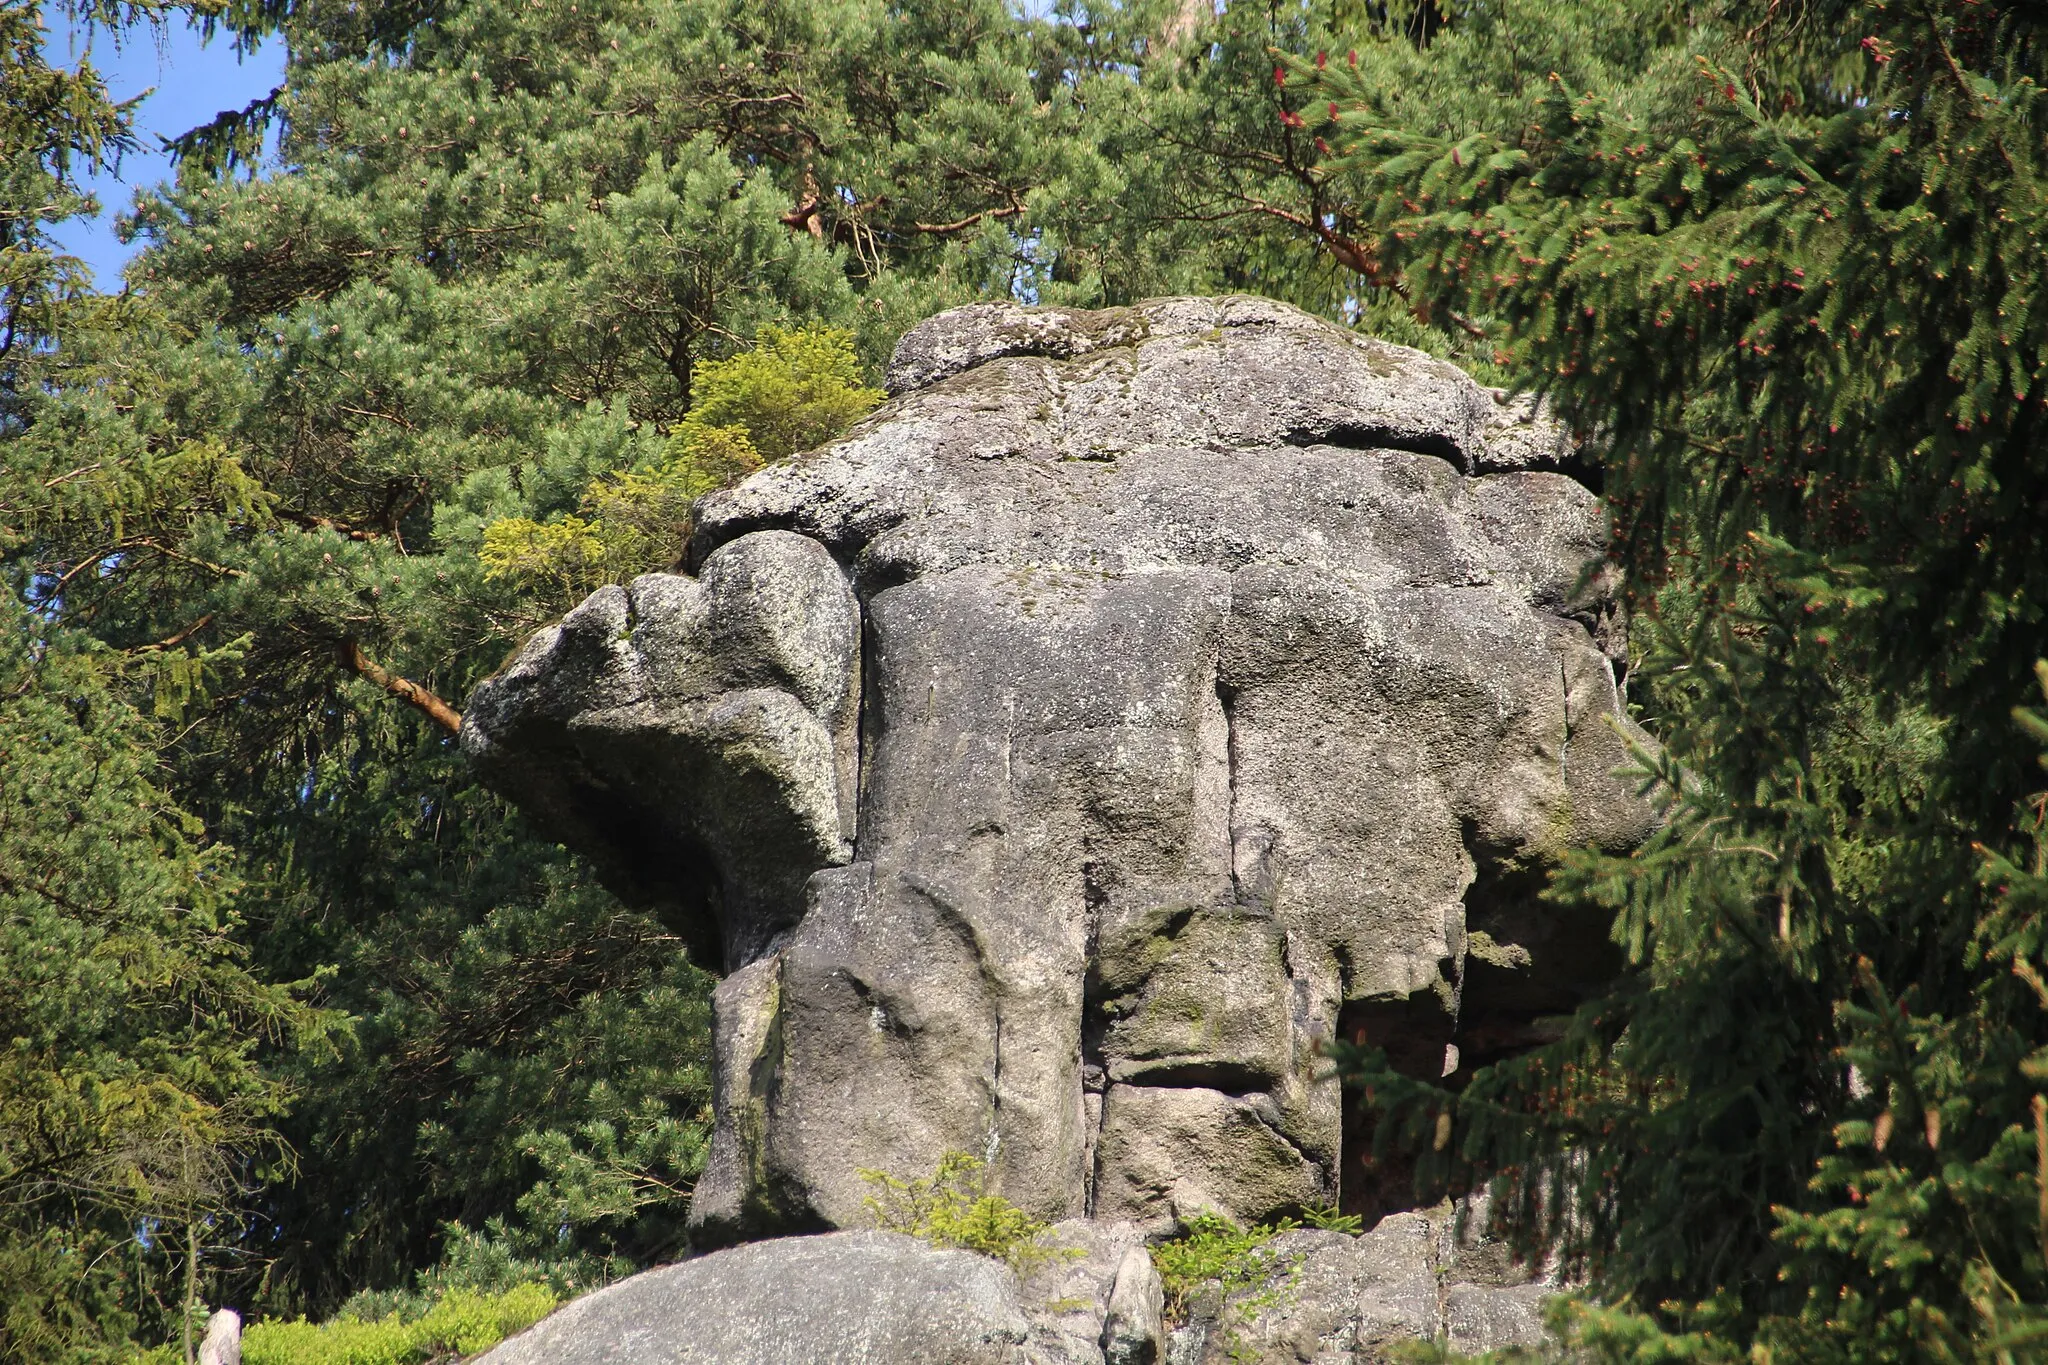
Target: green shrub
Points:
(1213, 1250)
(1329, 1220)
(461, 1323)
(794, 390)
(955, 1209)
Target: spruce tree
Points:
(54, 124)
(136, 1119)
(1779, 265)
(136, 1116)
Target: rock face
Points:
(1136, 701)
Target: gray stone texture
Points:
(696, 736)
(848, 1298)
(1053, 759)
(1332, 1299)
(1072, 1299)
(1133, 1327)
(881, 1298)
(222, 1344)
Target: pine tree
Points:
(491, 284)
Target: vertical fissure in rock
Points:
(1564, 748)
(994, 1144)
(1226, 702)
(1452, 1057)
(1440, 1267)
(867, 725)
(1094, 1074)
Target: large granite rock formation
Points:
(1134, 702)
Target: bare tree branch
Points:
(406, 690)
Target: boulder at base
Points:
(881, 1298)
(846, 1298)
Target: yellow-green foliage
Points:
(626, 524)
(1212, 1249)
(700, 459)
(563, 553)
(794, 390)
(462, 1323)
(955, 1209)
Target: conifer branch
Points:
(79, 472)
(98, 557)
(310, 522)
(810, 216)
(405, 689)
(392, 418)
(2040, 1107)
(179, 556)
(180, 637)
(1949, 62)
(804, 217)
(90, 561)
(961, 224)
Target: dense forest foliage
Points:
(297, 1013)
(1785, 260)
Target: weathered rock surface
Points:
(1136, 701)
(1331, 1299)
(222, 1344)
(881, 1298)
(696, 735)
(1071, 1299)
(849, 1298)
(1133, 1326)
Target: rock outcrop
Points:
(1136, 701)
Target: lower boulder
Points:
(845, 1298)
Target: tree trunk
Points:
(191, 1285)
